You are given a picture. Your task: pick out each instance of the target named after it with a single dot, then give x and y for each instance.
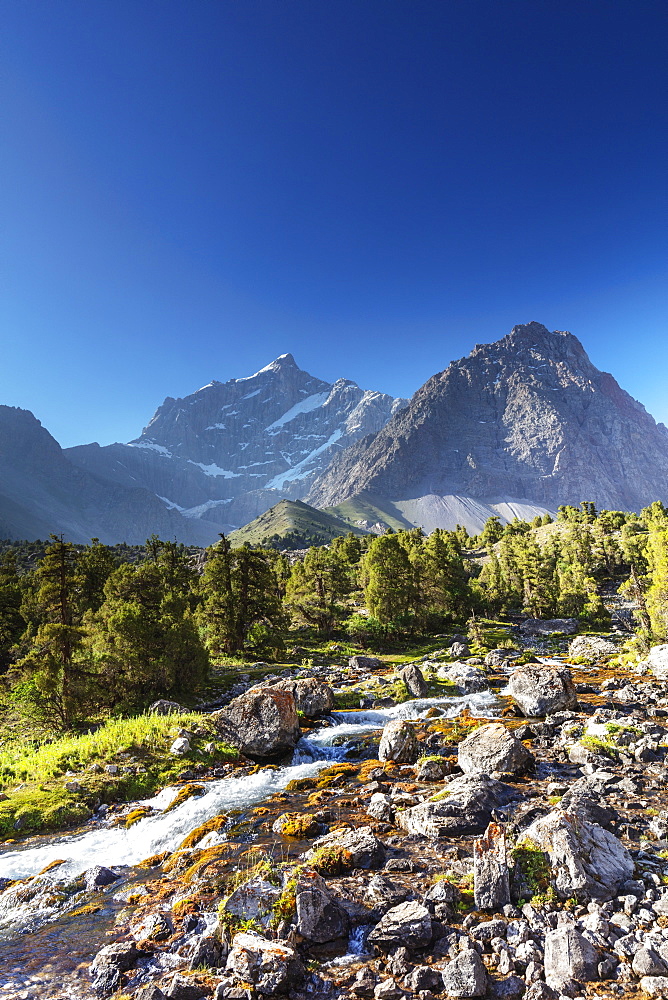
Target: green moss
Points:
(534, 866)
(597, 745)
(331, 859)
(298, 826)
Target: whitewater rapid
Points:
(164, 831)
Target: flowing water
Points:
(27, 907)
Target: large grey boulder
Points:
(591, 648)
(270, 966)
(540, 690)
(656, 661)
(493, 748)
(319, 916)
(465, 976)
(262, 723)
(312, 696)
(587, 861)
(414, 680)
(466, 807)
(465, 677)
(408, 924)
(399, 743)
(569, 956)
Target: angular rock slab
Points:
(568, 956)
(262, 723)
(491, 877)
(407, 925)
(587, 861)
(467, 678)
(540, 690)
(319, 917)
(465, 976)
(493, 748)
(467, 808)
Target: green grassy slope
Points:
(367, 507)
(294, 522)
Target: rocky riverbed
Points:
(502, 833)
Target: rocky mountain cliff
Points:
(526, 420)
(231, 450)
(41, 492)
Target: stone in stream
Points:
(362, 845)
(110, 962)
(319, 917)
(569, 957)
(312, 696)
(591, 648)
(262, 723)
(587, 861)
(491, 882)
(269, 966)
(465, 976)
(98, 876)
(540, 690)
(431, 769)
(408, 924)
(493, 748)
(499, 657)
(465, 806)
(399, 743)
(466, 678)
(414, 680)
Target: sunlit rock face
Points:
(232, 449)
(527, 419)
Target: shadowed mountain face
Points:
(41, 492)
(231, 450)
(527, 419)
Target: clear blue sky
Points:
(192, 187)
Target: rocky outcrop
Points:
(466, 678)
(540, 690)
(528, 418)
(262, 723)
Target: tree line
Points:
(84, 630)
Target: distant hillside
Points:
(292, 524)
